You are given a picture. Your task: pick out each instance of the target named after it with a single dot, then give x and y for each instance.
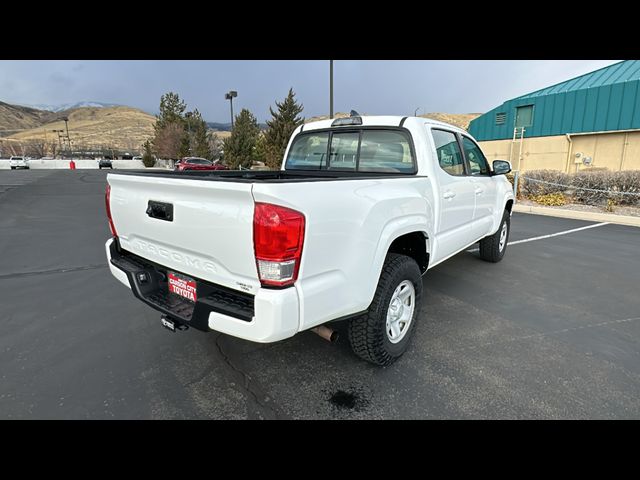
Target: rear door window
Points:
(449, 153)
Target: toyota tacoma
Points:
(361, 208)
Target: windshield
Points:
(357, 150)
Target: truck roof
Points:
(384, 121)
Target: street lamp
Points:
(229, 96)
(415, 112)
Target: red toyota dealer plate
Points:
(183, 286)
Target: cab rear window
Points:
(357, 150)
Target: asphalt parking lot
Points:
(553, 331)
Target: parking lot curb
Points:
(577, 215)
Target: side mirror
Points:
(501, 167)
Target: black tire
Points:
(490, 250)
(368, 333)
(13, 168)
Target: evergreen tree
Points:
(171, 110)
(200, 136)
(147, 157)
(240, 147)
(280, 128)
(168, 139)
(185, 145)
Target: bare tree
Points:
(215, 145)
(36, 148)
(168, 140)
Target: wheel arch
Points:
(407, 236)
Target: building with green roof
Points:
(603, 102)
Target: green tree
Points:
(200, 142)
(184, 150)
(279, 129)
(147, 157)
(240, 147)
(171, 110)
(168, 140)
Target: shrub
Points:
(147, 158)
(592, 181)
(531, 188)
(550, 199)
(627, 181)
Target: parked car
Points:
(104, 163)
(361, 209)
(18, 162)
(197, 163)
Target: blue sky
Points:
(373, 86)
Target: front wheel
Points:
(492, 248)
(383, 334)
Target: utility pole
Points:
(330, 88)
(230, 96)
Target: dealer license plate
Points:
(183, 286)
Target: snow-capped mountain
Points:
(67, 106)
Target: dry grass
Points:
(16, 118)
(221, 134)
(123, 128)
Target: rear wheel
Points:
(492, 248)
(384, 333)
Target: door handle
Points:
(479, 190)
(449, 195)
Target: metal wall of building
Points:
(605, 100)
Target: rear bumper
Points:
(269, 316)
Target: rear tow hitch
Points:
(171, 325)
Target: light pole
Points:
(415, 112)
(229, 96)
(59, 141)
(330, 88)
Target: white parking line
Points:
(541, 237)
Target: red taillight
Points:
(107, 203)
(278, 236)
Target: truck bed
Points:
(264, 176)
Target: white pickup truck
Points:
(361, 209)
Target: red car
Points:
(196, 163)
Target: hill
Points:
(122, 128)
(14, 118)
(458, 119)
(461, 120)
(70, 106)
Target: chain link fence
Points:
(599, 188)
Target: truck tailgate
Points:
(210, 235)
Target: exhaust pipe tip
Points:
(327, 333)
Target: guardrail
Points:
(85, 164)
